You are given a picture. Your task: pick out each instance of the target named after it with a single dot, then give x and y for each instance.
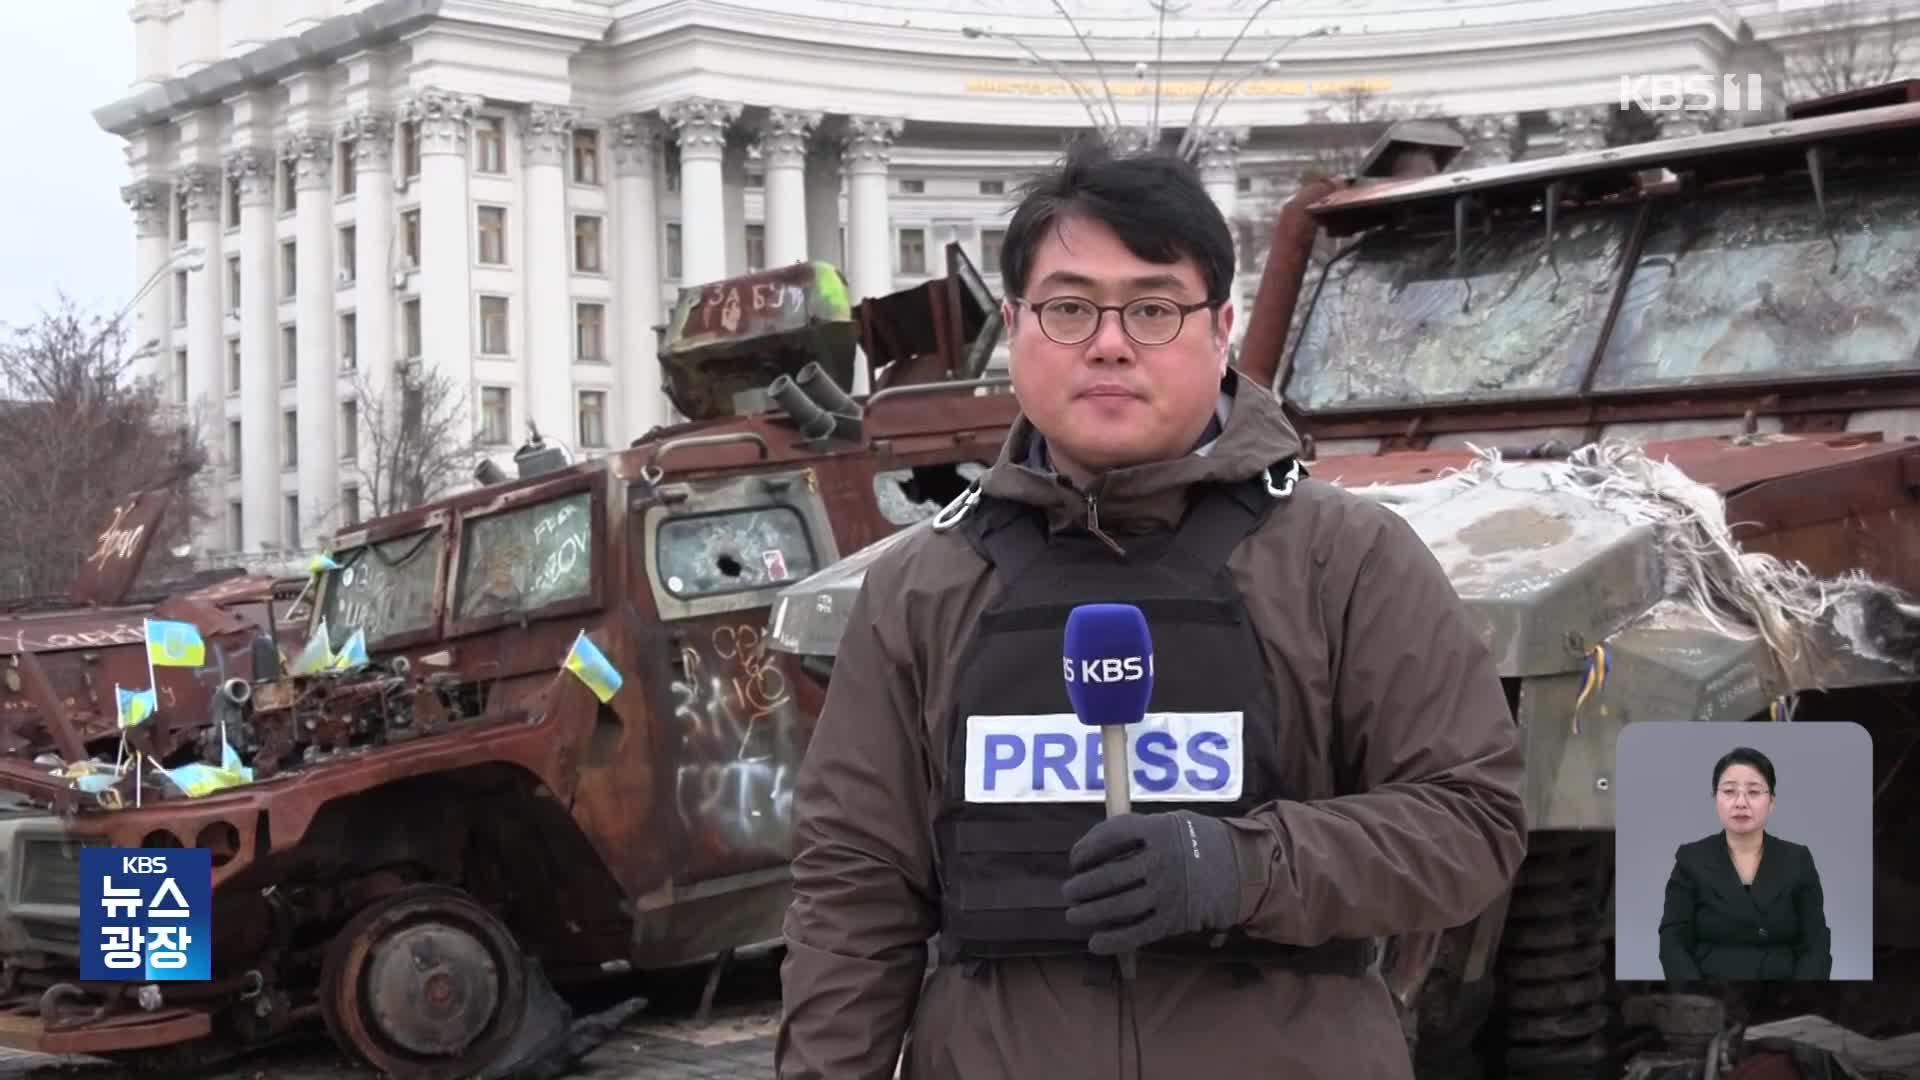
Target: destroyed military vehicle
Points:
(1622, 394)
(427, 838)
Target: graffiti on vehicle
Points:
(734, 713)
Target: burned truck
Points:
(423, 839)
(1656, 410)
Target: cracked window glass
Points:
(733, 551)
(1754, 287)
(909, 496)
(383, 589)
(527, 559)
(1395, 324)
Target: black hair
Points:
(1744, 755)
(1153, 201)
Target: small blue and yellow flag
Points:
(174, 644)
(587, 662)
(321, 563)
(317, 656)
(134, 706)
(353, 654)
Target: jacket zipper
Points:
(1093, 524)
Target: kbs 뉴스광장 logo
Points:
(144, 914)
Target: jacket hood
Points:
(1255, 434)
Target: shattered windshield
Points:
(1395, 324)
(526, 559)
(733, 551)
(1752, 286)
(383, 589)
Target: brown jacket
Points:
(1357, 622)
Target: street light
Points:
(195, 259)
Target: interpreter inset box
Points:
(1743, 852)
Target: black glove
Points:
(1139, 878)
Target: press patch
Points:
(1053, 757)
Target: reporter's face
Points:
(1743, 799)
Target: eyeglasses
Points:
(1753, 794)
(1150, 320)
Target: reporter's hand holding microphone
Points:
(1138, 878)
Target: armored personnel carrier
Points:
(565, 749)
(1656, 410)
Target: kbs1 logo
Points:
(1673, 93)
(1108, 669)
(145, 914)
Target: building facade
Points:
(504, 197)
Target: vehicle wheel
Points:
(423, 984)
(1552, 967)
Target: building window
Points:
(913, 187)
(496, 414)
(233, 203)
(293, 519)
(586, 244)
(590, 333)
(349, 180)
(673, 251)
(179, 215)
(1243, 184)
(493, 325)
(350, 504)
(236, 526)
(670, 166)
(410, 327)
(913, 251)
(233, 448)
(289, 191)
(756, 247)
(289, 270)
(289, 438)
(349, 254)
(489, 145)
(991, 241)
(593, 418)
(233, 284)
(586, 157)
(349, 430)
(993, 187)
(180, 376)
(493, 235)
(233, 366)
(289, 355)
(349, 335)
(179, 298)
(410, 237)
(410, 149)
(756, 180)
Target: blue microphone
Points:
(1108, 663)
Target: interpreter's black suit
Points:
(1715, 928)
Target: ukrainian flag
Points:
(587, 662)
(174, 644)
(353, 654)
(321, 563)
(316, 657)
(134, 706)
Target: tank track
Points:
(1555, 998)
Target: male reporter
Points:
(1315, 773)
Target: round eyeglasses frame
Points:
(1100, 316)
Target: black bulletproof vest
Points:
(1002, 865)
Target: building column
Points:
(700, 125)
(1220, 173)
(309, 153)
(783, 146)
(1489, 139)
(443, 123)
(636, 153)
(206, 347)
(252, 171)
(823, 206)
(546, 139)
(370, 133)
(1582, 128)
(868, 152)
(148, 201)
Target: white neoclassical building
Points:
(511, 192)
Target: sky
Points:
(64, 225)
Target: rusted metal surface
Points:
(737, 335)
(120, 548)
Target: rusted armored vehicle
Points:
(1619, 393)
(434, 836)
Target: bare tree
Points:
(80, 434)
(415, 442)
(1847, 45)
